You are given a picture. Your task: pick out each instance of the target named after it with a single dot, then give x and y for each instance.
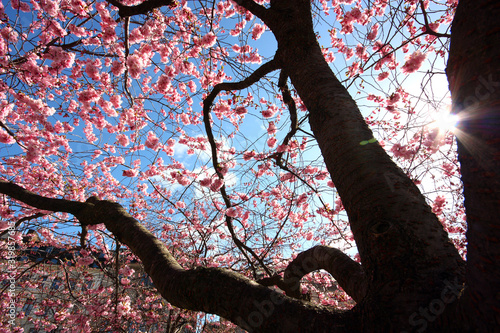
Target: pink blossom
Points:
(321, 175)
(116, 100)
(308, 170)
(232, 212)
(287, 177)
(257, 31)
(117, 68)
(130, 173)
(60, 58)
(123, 140)
(238, 28)
(36, 105)
(180, 204)
(22, 6)
(216, 184)
(85, 261)
(185, 119)
(9, 34)
(135, 65)
(240, 110)
(282, 148)
(55, 28)
(125, 281)
(382, 76)
(236, 48)
(208, 40)
(6, 138)
(93, 70)
(192, 86)
(88, 96)
(248, 155)
(4, 225)
(271, 129)
(33, 154)
(50, 7)
(361, 52)
(449, 169)
(152, 142)
(163, 84)
(271, 111)
(438, 206)
(181, 179)
(373, 33)
(413, 62)
(123, 307)
(205, 182)
(271, 142)
(253, 58)
(354, 15)
(402, 151)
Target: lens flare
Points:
(445, 121)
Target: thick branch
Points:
(348, 273)
(142, 8)
(56, 205)
(227, 86)
(212, 290)
(253, 8)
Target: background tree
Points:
(105, 102)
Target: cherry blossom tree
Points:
(280, 166)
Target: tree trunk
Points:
(404, 249)
(474, 77)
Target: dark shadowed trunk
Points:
(474, 76)
(404, 250)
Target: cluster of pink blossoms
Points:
(413, 62)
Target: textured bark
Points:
(211, 290)
(404, 250)
(142, 8)
(348, 273)
(474, 76)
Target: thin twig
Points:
(26, 218)
(428, 29)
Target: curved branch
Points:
(348, 273)
(292, 108)
(227, 86)
(212, 290)
(254, 8)
(207, 104)
(32, 199)
(142, 8)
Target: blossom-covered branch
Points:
(211, 290)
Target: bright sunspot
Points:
(445, 121)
